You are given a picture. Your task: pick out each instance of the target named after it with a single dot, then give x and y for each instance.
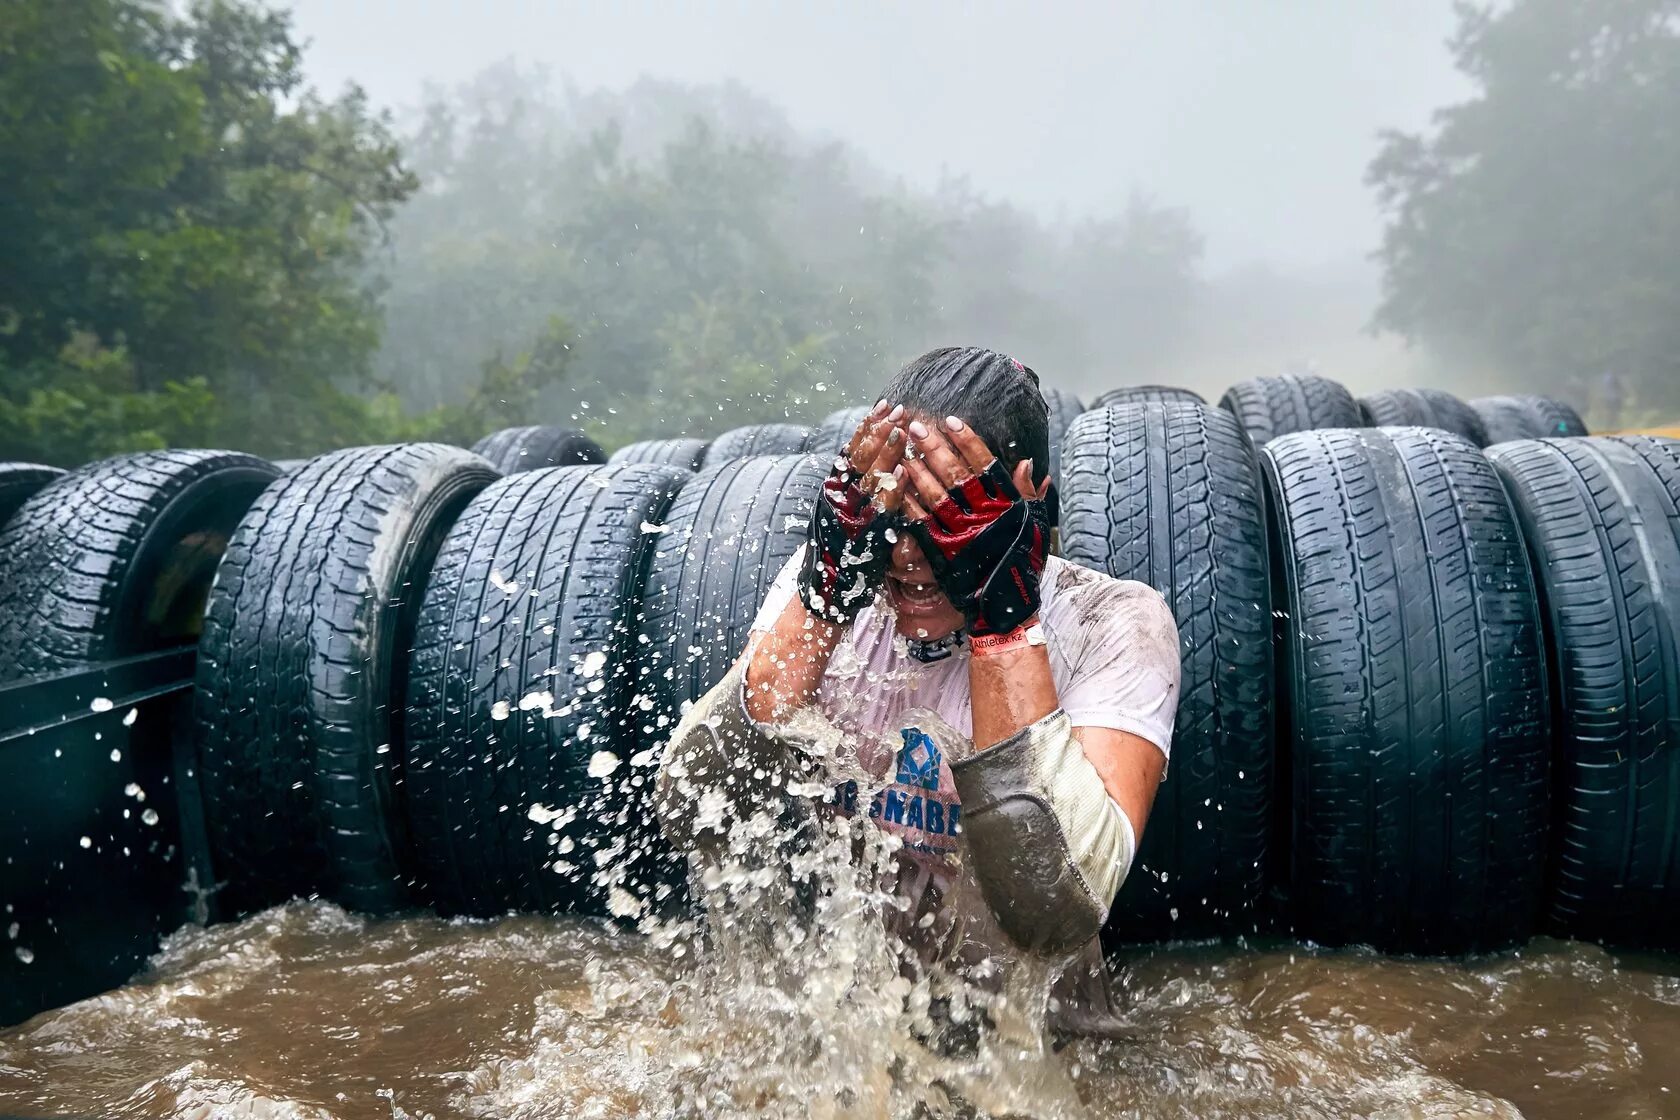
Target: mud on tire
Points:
(117, 558)
(1170, 495)
(301, 667)
(685, 453)
(1268, 407)
(1416, 721)
(512, 450)
(1602, 520)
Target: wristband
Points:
(983, 645)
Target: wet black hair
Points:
(993, 393)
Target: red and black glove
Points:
(848, 553)
(986, 544)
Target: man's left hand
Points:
(984, 539)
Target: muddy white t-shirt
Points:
(1113, 647)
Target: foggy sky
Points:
(1259, 116)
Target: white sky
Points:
(1259, 116)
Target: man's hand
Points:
(849, 550)
(984, 539)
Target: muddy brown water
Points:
(306, 1011)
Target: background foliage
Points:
(195, 248)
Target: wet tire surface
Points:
(835, 430)
(1147, 394)
(685, 453)
(727, 536)
(1268, 407)
(1424, 408)
(523, 667)
(19, 482)
(512, 450)
(1170, 495)
(1416, 720)
(117, 557)
(757, 439)
(1527, 417)
(300, 671)
(1602, 519)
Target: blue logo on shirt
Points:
(918, 760)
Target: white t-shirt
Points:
(1114, 657)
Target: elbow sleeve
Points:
(1050, 847)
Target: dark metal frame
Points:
(103, 850)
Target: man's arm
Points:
(1052, 812)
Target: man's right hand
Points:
(849, 549)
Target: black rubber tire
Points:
(287, 466)
(1170, 495)
(831, 436)
(757, 439)
(685, 453)
(1525, 416)
(1415, 710)
(512, 450)
(1268, 407)
(1064, 409)
(727, 535)
(573, 542)
(117, 558)
(1147, 394)
(1602, 520)
(19, 482)
(302, 666)
(1423, 408)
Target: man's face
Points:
(924, 613)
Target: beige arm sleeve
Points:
(1050, 847)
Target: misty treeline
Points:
(195, 248)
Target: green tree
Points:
(173, 195)
(1533, 229)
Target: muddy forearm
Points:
(720, 767)
(785, 665)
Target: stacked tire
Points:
(537, 446)
(1414, 702)
(1527, 417)
(757, 439)
(1424, 408)
(1170, 495)
(1268, 407)
(1602, 521)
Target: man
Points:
(1011, 711)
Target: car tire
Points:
(301, 673)
(1268, 407)
(1602, 521)
(512, 450)
(1415, 699)
(831, 436)
(685, 453)
(1064, 409)
(1423, 408)
(1170, 495)
(1147, 394)
(523, 668)
(117, 557)
(19, 482)
(757, 439)
(1526, 416)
